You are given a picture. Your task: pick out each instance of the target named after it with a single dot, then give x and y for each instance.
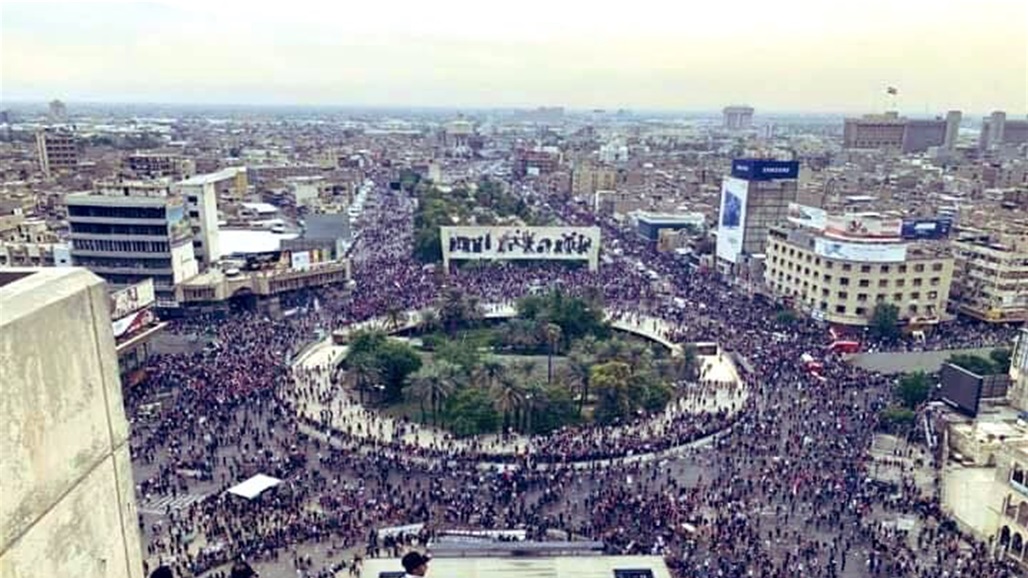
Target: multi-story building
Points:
(1018, 390)
(991, 277)
(57, 150)
(998, 130)
(160, 165)
(126, 239)
(753, 199)
(890, 131)
(1011, 540)
(69, 500)
(843, 281)
(57, 111)
(737, 117)
(589, 178)
(34, 254)
(201, 194)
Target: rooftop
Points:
(223, 174)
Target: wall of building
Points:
(68, 506)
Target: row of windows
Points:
(123, 263)
(863, 311)
(880, 297)
(785, 249)
(116, 212)
(106, 229)
(121, 246)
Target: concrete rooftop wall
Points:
(67, 506)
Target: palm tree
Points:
(553, 335)
(508, 397)
(429, 320)
(364, 372)
(535, 399)
(491, 370)
(436, 383)
(525, 368)
(577, 371)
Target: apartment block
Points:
(57, 151)
(1012, 471)
(842, 282)
(588, 178)
(991, 277)
(201, 194)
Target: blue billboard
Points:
(926, 228)
(765, 169)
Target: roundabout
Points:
(698, 412)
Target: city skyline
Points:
(790, 57)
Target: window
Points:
(844, 281)
(917, 282)
(824, 292)
(194, 214)
(864, 283)
(865, 268)
(828, 278)
(934, 281)
(192, 199)
(913, 308)
(861, 311)
(847, 267)
(829, 265)
(919, 268)
(861, 297)
(936, 266)
(897, 297)
(880, 298)
(885, 269)
(843, 295)
(883, 282)
(933, 295)
(901, 282)
(633, 573)
(915, 295)
(840, 309)
(902, 269)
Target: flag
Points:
(892, 90)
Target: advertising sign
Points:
(867, 227)
(179, 228)
(510, 243)
(860, 252)
(132, 322)
(300, 260)
(926, 228)
(132, 299)
(805, 216)
(765, 169)
(731, 219)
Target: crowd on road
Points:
(781, 491)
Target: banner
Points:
(860, 252)
(857, 226)
(132, 323)
(504, 242)
(805, 216)
(132, 299)
(926, 228)
(732, 218)
(300, 260)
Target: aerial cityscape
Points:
(546, 290)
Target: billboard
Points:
(732, 218)
(860, 252)
(960, 388)
(765, 169)
(132, 299)
(300, 260)
(513, 243)
(132, 322)
(867, 227)
(805, 216)
(179, 228)
(926, 228)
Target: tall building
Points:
(737, 117)
(953, 119)
(57, 150)
(890, 131)
(991, 279)
(160, 165)
(842, 281)
(1011, 540)
(127, 239)
(998, 130)
(68, 506)
(1018, 392)
(57, 112)
(753, 199)
(201, 194)
(589, 178)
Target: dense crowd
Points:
(779, 489)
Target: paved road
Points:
(910, 361)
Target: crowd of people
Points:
(778, 488)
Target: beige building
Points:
(68, 504)
(588, 178)
(57, 151)
(874, 131)
(1018, 391)
(1012, 537)
(842, 282)
(991, 277)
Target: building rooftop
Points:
(246, 241)
(518, 567)
(223, 174)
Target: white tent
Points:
(254, 486)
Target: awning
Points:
(254, 486)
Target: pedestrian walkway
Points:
(159, 505)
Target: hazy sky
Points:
(783, 55)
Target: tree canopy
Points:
(884, 322)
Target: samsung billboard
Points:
(765, 169)
(926, 228)
(732, 219)
(860, 252)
